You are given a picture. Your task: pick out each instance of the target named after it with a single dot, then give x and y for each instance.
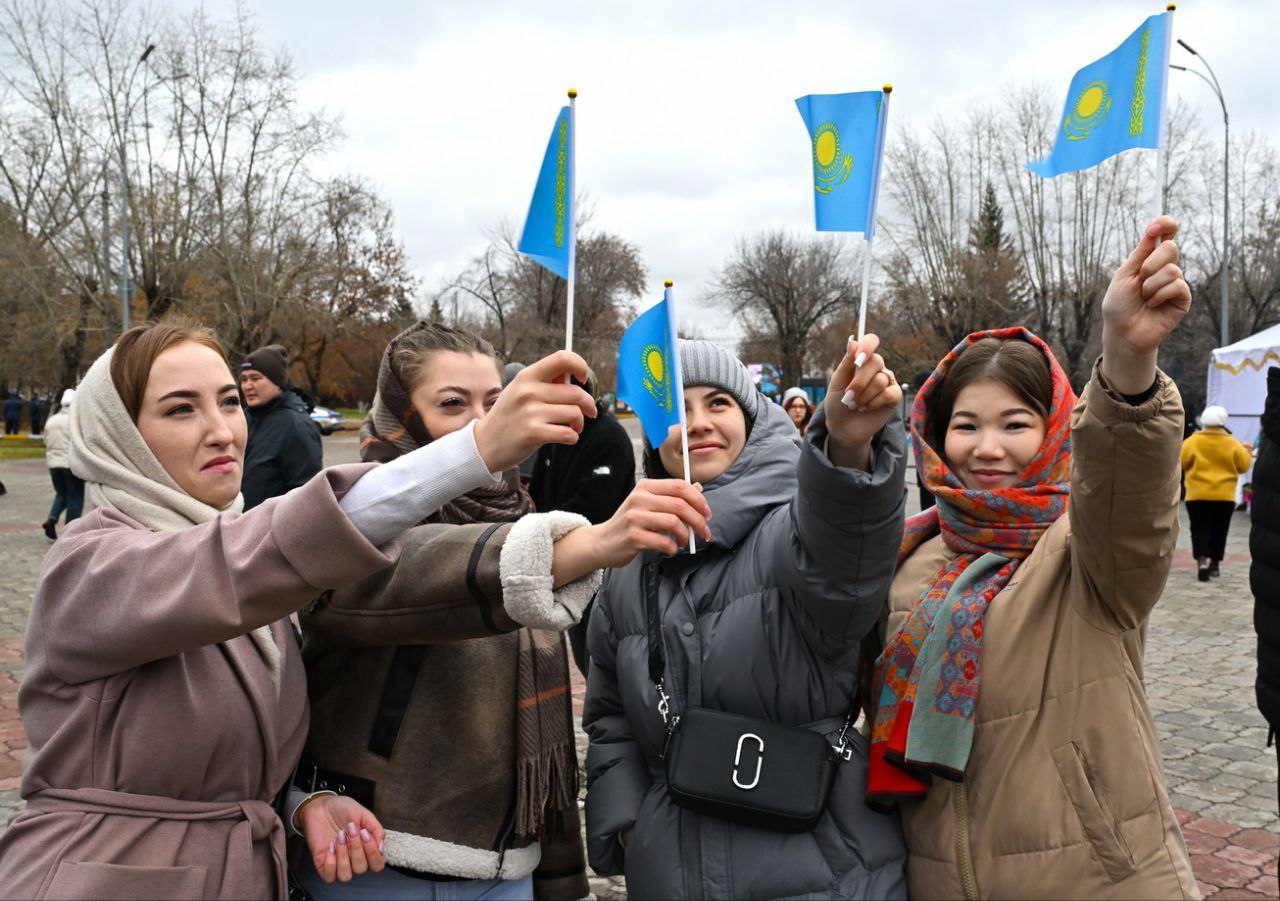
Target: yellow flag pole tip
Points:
(888, 89)
(573, 92)
(668, 283)
(1171, 7)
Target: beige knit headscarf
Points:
(118, 467)
(121, 473)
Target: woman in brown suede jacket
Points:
(1013, 728)
(440, 686)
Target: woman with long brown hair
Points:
(448, 711)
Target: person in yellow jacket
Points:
(1212, 460)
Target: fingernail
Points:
(365, 836)
(333, 849)
(859, 359)
(342, 838)
(351, 829)
(849, 346)
(382, 844)
(848, 400)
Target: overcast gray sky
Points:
(687, 131)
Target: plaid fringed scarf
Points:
(546, 758)
(928, 678)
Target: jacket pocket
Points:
(1100, 826)
(74, 879)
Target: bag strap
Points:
(653, 620)
(657, 665)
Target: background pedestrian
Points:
(35, 413)
(1212, 460)
(12, 413)
(591, 478)
(796, 402)
(1264, 548)
(68, 488)
(284, 444)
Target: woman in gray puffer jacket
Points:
(764, 621)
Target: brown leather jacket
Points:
(411, 674)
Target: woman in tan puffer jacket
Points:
(1012, 725)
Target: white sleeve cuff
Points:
(296, 798)
(398, 495)
(525, 569)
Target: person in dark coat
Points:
(36, 413)
(284, 444)
(765, 620)
(591, 478)
(12, 413)
(1264, 547)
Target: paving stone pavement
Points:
(1200, 667)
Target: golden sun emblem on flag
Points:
(1091, 106)
(830, 166)
(655, 375)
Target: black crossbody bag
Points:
(741, 768)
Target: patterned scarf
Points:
(546, 757)
(927, 680)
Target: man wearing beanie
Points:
(284, 444)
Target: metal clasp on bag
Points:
(664, 709)
(843, 749)
(737, 761)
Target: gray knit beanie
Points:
(704, 363)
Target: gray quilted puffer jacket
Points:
(765, 622)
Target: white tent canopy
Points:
(1238, 380)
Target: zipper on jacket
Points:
(967, 878)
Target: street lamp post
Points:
(126, 295)
(1226, 183)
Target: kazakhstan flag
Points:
(1115, 103)
(846, 137)
(647, 374)
(548, 230)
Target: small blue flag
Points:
(846, 134)
(548, 229)
(1115, 103)
(648, 376)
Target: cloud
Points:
(688, 135)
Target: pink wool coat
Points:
(158, 736)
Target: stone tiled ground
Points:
(1199, 673)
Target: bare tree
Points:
(226, 219)
(521, 306)
(783, 289)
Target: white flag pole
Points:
(1163, 122)
(677, 381)
(571, 202)
(869, 232)
(866, 282)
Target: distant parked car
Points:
(326, 420)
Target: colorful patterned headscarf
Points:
(927, 680)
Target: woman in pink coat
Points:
(164, 698)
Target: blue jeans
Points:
(68, 494)
(394, 886)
